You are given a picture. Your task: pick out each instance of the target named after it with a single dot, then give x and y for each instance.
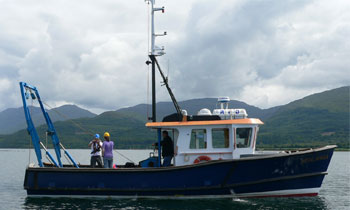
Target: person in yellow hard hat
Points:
(107, 151)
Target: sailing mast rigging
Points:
(154, 52)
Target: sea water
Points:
(334, 194)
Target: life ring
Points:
(201, 159)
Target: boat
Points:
(215, 156)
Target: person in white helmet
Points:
(96, 147)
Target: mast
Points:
(157, 51)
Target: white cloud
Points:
(266, 53)
(92, 53)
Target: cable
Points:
(30, 142)
(148, 29)
(168, 68)
(46, 138)
(29, 151)
(48, 158)
(123, 156)
(147, 108)
(66, 118)
(68, 161)
(87, 131)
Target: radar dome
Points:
(204, 112)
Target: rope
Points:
(68, 161)
(47, 157)
(147, 60)
(87, 131)
(30, 142)
(147, 107)
(30, 146)
(168, 68)
(148, 28)
(66, 118)
(46, 138)
(123, 156)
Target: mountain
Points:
(318, 119)
(315, 120)
(69, 112)
(126, 125)
(127, 129)
(194, 105)
(13, 119)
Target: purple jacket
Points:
(108, 149)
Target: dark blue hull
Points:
(295, 174)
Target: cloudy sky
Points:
(92, 53)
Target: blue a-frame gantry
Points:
(28, 91)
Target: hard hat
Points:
(106, 134)
(97, 136)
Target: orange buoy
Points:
(201, 159)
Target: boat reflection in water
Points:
(193, 204)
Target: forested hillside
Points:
(316, 120)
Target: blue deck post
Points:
(71, 159)
(159, 147)
(69, 156)
(49, 155)
(51, 130)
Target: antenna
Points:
(155, 50)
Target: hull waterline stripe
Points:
(278, 193)
(282, 193)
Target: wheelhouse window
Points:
(220, 137)
(198, 139)
(243, 137)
